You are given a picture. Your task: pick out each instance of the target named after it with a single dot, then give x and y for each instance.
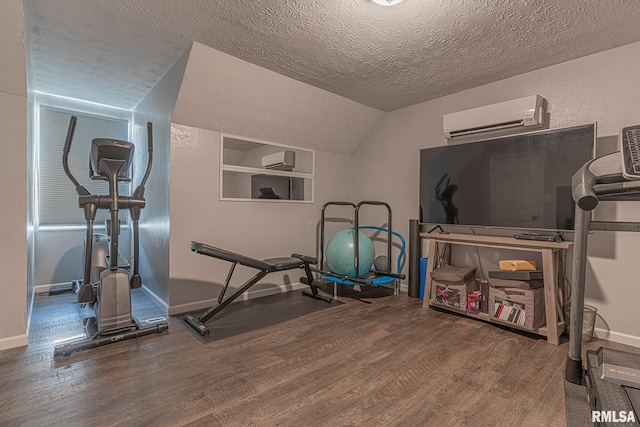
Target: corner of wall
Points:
(157, 107)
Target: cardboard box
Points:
(452, 295)
(519, 307)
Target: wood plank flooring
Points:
(387, 363)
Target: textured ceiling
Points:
(382, 57)
(82, 50)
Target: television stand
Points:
(553, 254)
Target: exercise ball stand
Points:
(370, 278)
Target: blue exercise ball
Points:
(341, 253)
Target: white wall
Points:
(59, 253)
(600, 88)
(221, 93)
(13, 176)
(259, 229)
(156, 107)
(228, 94)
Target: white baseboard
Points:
(156, 297)
(45, 288)
(617, 337)
(254, 293)
(12, 342)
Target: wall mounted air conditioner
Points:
(282, 160)
(508, 116)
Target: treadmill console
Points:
(609, 393)
(630, 149)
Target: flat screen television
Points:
(520, 181)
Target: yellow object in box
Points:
(517, 265)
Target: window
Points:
(57, 198)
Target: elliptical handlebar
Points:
(65, 158)
(85, 292)
(70, 132)
(139, 192)
(81, 190)
(136, 280)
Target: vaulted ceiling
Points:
(114, 51)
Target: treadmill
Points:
(613, 384)
(612, 376)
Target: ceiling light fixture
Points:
(387, 2)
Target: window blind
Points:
(57, 198)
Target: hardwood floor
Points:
(388, 363)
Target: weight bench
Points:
(264, 267)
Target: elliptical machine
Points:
(106, 283)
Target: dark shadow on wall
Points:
(70, 266)
(188, 293)
(605, 211)
(593, 288)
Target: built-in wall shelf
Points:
(254, 170)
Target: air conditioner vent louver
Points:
(504, 116)
(506, 125)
